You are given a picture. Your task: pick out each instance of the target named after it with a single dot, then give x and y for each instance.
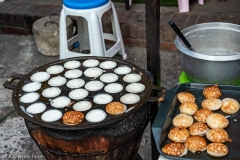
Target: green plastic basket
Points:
(184, 79)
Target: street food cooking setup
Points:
(87, 140)
(119, 136)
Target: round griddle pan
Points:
(145, 96)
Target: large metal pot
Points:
(217, 53)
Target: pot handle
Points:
(50, 22)
(53, 14)
(9, 83)
(162, 92)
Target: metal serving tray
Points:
(169, 108)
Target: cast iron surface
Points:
(17, 92)
(170, 108)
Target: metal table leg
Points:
(127, 6)
(152, 10)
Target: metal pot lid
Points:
(110, 119)
(231, 54)
(49, 23)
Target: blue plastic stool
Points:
(84, 4)
(90, 32)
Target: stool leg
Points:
(62, 36)
(96, 38)
(83, 34)
(130, 2)
(201, 2)
(183, 5)
(117, 30)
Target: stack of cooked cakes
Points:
(194, 125)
